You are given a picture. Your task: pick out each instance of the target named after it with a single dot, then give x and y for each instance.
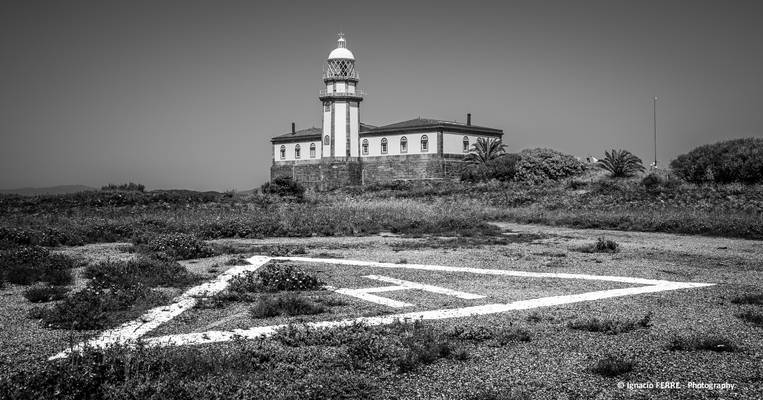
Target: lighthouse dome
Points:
(341, 51)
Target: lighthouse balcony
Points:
(326, 94)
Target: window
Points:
(365, 147)
(384, 146)
(403, 144)
(424, 143)
(327, 140)
(466, 144)
(283, 152)
(312, 150)
(296, 151)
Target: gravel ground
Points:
(554, 363)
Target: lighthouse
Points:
(341, 104)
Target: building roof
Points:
(418, 124)
(341, 53)
(298, 136)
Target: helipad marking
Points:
(131, 332)
(365, 294)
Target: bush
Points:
(45, 293)
(128, 187)
(611, 366)
(284, 186)
(542, 165)
(276, 277)
(503, 168)
(30, 264)
(98, 307)
(144, 271)
(423, 346)
(601, 246)
(621, 163)
(284, 304)
(611, 326)
(739, 160)
(176, 246)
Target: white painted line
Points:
(130, 333)
(428, 288)
(364, 294)
(482, 271)
(159, 315)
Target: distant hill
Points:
(47, 190)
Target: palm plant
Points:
(485, 150)
(621, 163)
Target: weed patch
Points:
(756, 299)
(751, 317)
(29, 264)
(45, 293)
(285, 304)
(696, 343)
(611, 326)
(175, 246)
(275, 277)
(601, 246)
(141, 271)
(611, 366)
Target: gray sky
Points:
(186, 94)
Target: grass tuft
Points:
(601, 246)
(611, 326)
(285, 304)
(45, 293)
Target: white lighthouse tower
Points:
(341, 103)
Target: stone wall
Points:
(330, 174)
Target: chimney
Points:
(293, 128)
(468, 118)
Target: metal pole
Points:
(654, 104)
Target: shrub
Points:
(284, 304)
(694, 343)
(611, 326)
(621, 163)
(276, 277)
(502, 168)
(45, 293)
(176, 246)
(143, 270)
(542, 165)
(601, 246)
(96, 307)
(129, 187)
(284, 186)
(30, 264)
(612, 366)
(738, 160)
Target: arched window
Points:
(403, 144)
(466, 144)
(297, 151)
(365, 147)
(424, 143)
(384, 146)
(283, 152)
(327, 140)
(312, 150)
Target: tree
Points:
(485, 150)
(621, 163)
